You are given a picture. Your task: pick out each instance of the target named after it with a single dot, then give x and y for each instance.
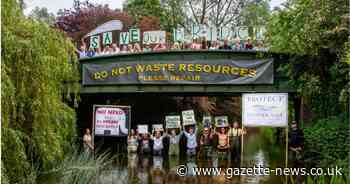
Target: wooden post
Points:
(93, 129)
(286, 147)
(242, 142)
(286, 161)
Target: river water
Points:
(258, 151)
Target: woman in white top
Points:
(88, 146)
(132, 142)
(158, 143)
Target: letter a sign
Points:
(107, 38)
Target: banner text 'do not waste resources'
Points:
(257, 71)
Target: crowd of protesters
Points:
(197, 44)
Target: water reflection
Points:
(157, 169)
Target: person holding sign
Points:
(235, 134)
(188, 120)
(191, 137)
(222, 142)
(158, 145)
(145, 143)
(206, 142)
(173, 123)
(174, 142)
(88, 146)
(132, 142)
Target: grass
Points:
(79, 168)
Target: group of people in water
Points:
(188, 141)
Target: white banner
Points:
(265, 109)
(188, 117)
(111, 121)
(173, 121)
(154, 37)
(105, 27)
(142, 129)
(157, 127)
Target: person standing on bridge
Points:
(225, 46)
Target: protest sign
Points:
(123, 38)
(179, 35)
(221, 121)
(95, 41)
(265, 109)
(207, 121)
(154, 37)
(172, 122)
(142, 129)
(111, 120)
(134, 35)
(157, 127)
(188, 117)
(107, 38)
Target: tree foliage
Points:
(165, 12)
(255, 13)
(313, 33)
(310, 27)
(216, 13)
(149, 23)
(38, 63)
(85, 16)
(323, 138)
(42, 14)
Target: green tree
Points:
(37, 126)
(169, 12)
(41, 14)
(141, 8)
(255, 13)
(313, 33)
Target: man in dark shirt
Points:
(296, 141)
(226, 46)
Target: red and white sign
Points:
(110, 121)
